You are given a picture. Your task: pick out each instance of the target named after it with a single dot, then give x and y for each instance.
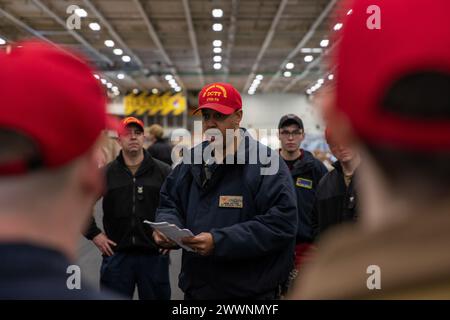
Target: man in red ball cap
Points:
(52, 115)
(393, 100)
(244, 222)
(220, 105)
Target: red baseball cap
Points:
(328, 136)
(414, 37)
(132, 120)
(51, 97)
(221, 97)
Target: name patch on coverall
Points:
(231, 202)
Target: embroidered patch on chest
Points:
(304, 183)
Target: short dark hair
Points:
(15, 146)
(37, 181)
(422, 95)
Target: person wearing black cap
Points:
(306, 172)
(130, 256)
(395, 107)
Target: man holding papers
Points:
(244, 218)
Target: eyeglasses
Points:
(288, 133)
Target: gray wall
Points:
(263, 111)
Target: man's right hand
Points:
(104, 244)
(162, 241)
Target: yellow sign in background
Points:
(153, 104)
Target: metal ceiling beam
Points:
(231, 36)
(24, 26)
(34, 32)
(303, 74)
(75, 34)
(118, 39)
(157, 41)
(193, 38)
(112, 31)
(111, 77)
(266, 43)
(302, 43)
(309, 67)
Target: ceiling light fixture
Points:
(217, 13)
(109, 43)
(94, 26)
(217, 27)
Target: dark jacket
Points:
(31, 272)
(306, 173)
(254, 241)
(335, 203)
(128, 201)
(162, 151)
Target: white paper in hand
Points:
(172, 232)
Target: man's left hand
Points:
(203, 243)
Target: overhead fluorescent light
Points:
(109, 43)
(309, 58)
(94, 26)
(81, 13)
(338, 26)
(217, 13)
(289, 65)
(217, 27)
(324, 43)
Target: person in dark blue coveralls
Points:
(49, 178)
(242, 210)
(306, 172)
